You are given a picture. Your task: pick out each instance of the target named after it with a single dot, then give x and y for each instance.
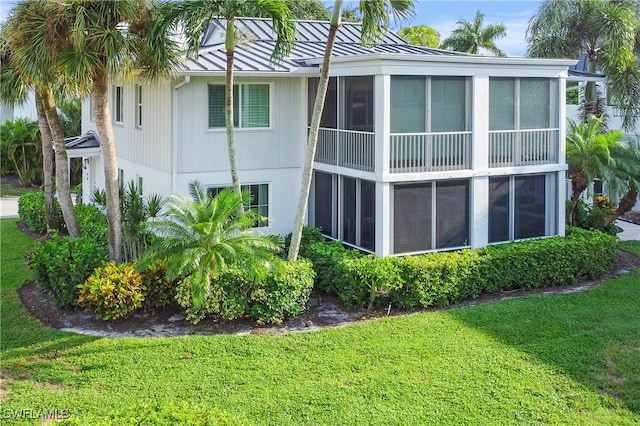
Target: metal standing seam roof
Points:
(88, 140)
(255, 54)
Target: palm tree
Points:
(470, 37)
(606, 33)
(202, 235)
(32, 58)
(101, 40)
(197, 15)
(592, 154)
(376, 16)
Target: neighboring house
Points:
(578, 77)
(420, 149)
(26, 110)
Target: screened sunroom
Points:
(412, 163)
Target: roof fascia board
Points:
(454, 59)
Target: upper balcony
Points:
(430, 124)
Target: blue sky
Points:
(442, 15)
(514, 14)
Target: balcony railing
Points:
(346, 148)
(430, 152)
(509, 148)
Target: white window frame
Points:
(118, 104)
(238, 126)
(138, 103)
(246, 187)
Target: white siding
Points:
(149, 146)
(202, 149)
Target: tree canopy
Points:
(420, 35)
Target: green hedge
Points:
(62, 263)
(282, 293)
(32, 214)
(443, 278)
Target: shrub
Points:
(310, 235)
(62, 263)
(283, 292)
(113, 291)
(368, 278)
(159, 290)
(596, 216)
(32, 213)
(326, 258)
(444, 278)
(93, 223)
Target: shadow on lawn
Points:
(591, 336)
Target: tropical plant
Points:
(96, 41)
(195, 17)
(201, 235)
(30, 51)
(593, 154)
(20, 143)
(376, 16)
(420, 35)
(135, 212)
(471, 37)
(606, 32)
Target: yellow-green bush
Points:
(113, 291)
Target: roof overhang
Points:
(87, 145)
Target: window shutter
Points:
(255, 105)
(216, 105)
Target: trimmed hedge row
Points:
(444, 278)
(282, 293)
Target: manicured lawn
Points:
(570, 359)
(7, 190)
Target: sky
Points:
(442, 15)
(514, 14)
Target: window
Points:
(325, 203)
(138, 106)
(139, 182)
(518, 207)
(92, 115)
(430, 215)
(259, 200)
(522, 103)
(329, 119)
(121, 176)
(118, 104)
(356, 215)
(358, 103)
(251, 106)
(428, 104)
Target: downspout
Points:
(174, 145)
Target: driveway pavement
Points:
(8, 207)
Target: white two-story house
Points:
(419, 149)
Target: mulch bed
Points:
(324, 311)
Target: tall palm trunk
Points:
(318, 106)
(230, 45)
(62, 165)
(47, 165)
(578, 185)
(591, 91)
(110, 160)
(625, 204)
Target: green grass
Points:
(7, 190)
(569, 359)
